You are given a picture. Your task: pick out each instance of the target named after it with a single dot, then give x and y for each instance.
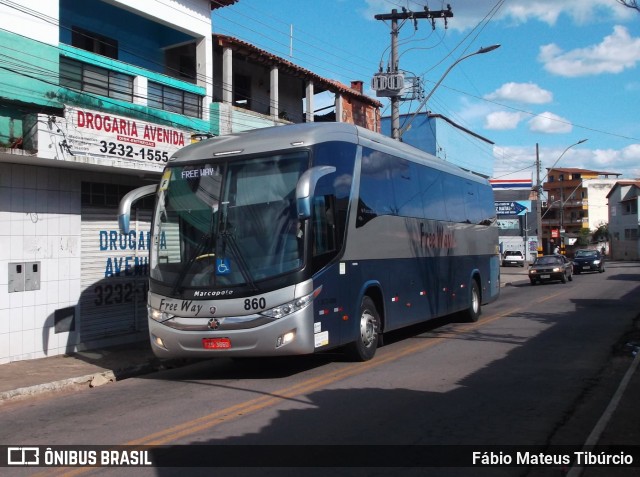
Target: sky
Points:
(566, 70)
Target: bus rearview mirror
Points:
(124, 209)
(306, 186)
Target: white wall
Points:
(191, 16)
(39, 221)
(29, 25)
(597, 190)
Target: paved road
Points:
(537, 369)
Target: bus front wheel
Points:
(366, 343)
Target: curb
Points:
(90, 380)
(514, 283)
(54, 386)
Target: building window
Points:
(631, 234)
(174, 100)
(93, 79)
(629, 207)
(242, 91)
(99, 194)
(94, 42)
(181, 62)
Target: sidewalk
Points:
(86, 368)
(514, 276)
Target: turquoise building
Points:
(95, 96)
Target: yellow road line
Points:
(248, 407)
(171, 434)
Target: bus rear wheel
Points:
(366, 343)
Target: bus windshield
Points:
(221, 224)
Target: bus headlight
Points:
(157, 315)
(291, 307)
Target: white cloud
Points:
(550, 123)
(625, 161)
(522, 92)
(471, 112)
(548, 11)
(502, 120)
(512, 159)
(616, 52)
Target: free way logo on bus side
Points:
(184, 305)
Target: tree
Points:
(601, 234)
(630, 4)
(583, 237)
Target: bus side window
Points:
(324, 225)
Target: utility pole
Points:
(539, 202)
(393, 80)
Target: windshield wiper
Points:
(196, 253)
(228, 237)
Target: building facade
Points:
(517, 210)
(254, 88)
(576, 205)
(95, 96)
(440, 136)
(624, 220)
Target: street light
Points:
(424, 101)
(560, 157)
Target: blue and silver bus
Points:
(298, 239)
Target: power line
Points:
(529, 113)
(317, 46)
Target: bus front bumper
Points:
(290, 335)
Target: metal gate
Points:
(115, 270)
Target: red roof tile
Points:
(263, 56)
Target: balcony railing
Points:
(556, 204)
(93, 79)
(87, 72)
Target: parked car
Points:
(551, 267)
(588, 260)
(513, 257)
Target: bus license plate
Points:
(216, 343)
